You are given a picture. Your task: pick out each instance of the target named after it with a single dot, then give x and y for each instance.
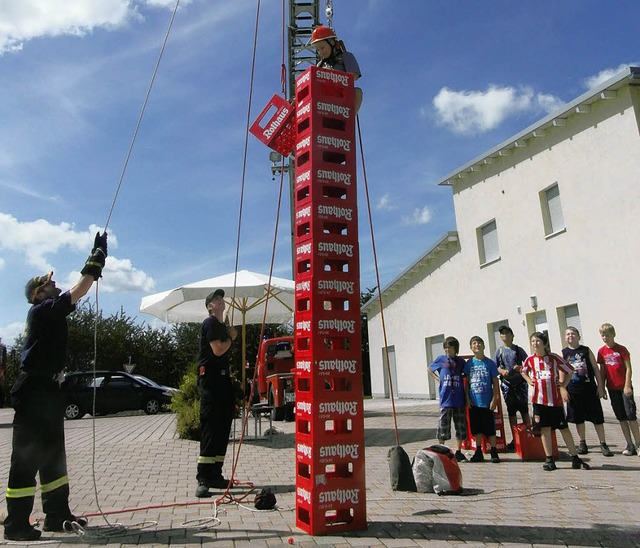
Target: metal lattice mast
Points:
(304, 16)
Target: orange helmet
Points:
(322, 33)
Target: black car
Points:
(115, 391)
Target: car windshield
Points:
(148, 381)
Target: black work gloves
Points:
(97, 257)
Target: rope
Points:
(244, 158)
(97, 291)
(375, 262)
(144, 106)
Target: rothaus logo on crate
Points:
(303, 109)
(303, 249)
(329, 141)
(329, 453)
(336, 325)
(304, 79)
(334, 212)
(339, 496)
(304, 407)
(303, 287)
(304, 495)
(303, 177)
(327, 368)
(303, 214)
(303, 366)
(333, 109)
(276, 123)
(303, 325)
(330, 409)
(335, 249)
(304, 450)
(333, 77)
(303, 143)
(332, 176)
(335, 287)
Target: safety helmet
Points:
(322, 33)
(34, 284)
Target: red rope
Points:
(375, 262)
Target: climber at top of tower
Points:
(333, 55)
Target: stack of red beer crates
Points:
(330, 467)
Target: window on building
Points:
(488, 249)
(552, 217)
(569, 316)
(495, 341)
(434, 348)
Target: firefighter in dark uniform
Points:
(38, 424)
(217, 396)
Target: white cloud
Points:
(419, 216)
(2, 263)
(38, 240)
(118, 275)
(473, 112)
(385, 204)
(24, 20)
(604, 75)
(11, 332)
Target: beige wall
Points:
(595, 161)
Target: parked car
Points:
(115, 391)
(150, 382)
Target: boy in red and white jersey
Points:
(548, 374)
(615, 364)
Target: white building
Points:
(548, 235)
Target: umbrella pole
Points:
(244, 356)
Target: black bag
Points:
(400, 470)
(265, 500)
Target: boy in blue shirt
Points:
(447, 370)
(483, 391)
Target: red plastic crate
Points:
(529, 446)
(279, 131)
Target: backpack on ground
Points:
(436, 470)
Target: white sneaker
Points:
(630, 451)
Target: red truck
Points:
(276, 376)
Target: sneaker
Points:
(460, 456)
(495, 458)
(511, 446)
(630, 451)
(202, 491)
(66, 525)
(477, 456)
(549, 466)
(605, 450)
(23, 535)
(582, 448)
(577, 463)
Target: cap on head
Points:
(505, 329)
(34, 284)
(322, 33)
(213, 295)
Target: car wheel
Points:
(152, 406)
(277, 413)
(72, 411)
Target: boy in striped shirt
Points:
(548, 374)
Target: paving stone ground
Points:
(135, 470)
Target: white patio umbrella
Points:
(245, 294)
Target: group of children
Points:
(576, 379)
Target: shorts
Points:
(584, 407)
(517, 402)
(547, 416)
(482, 421)
(624, 407)
(459, 416)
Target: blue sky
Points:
(443, 81)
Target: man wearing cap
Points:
(217, 398)
(38, 424)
